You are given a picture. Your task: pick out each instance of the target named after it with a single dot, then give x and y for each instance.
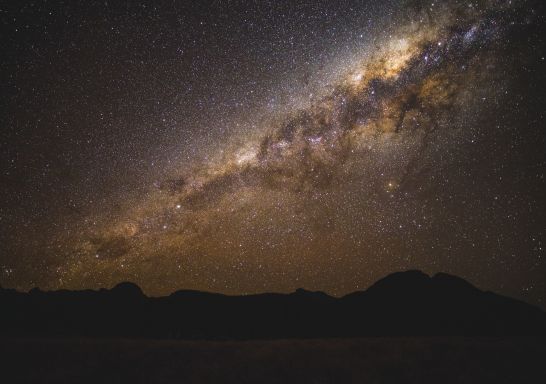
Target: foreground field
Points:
(373, 360)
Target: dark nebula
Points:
(246, 147)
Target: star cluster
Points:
(247, 147)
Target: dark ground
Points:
(371, 360)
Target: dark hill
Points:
(402, 304)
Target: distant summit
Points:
(128, 290)
(407, 303)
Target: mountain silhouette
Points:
(407, 303)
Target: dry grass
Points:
(372, 360)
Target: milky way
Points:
(420, 147)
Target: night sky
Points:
(251, 146)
